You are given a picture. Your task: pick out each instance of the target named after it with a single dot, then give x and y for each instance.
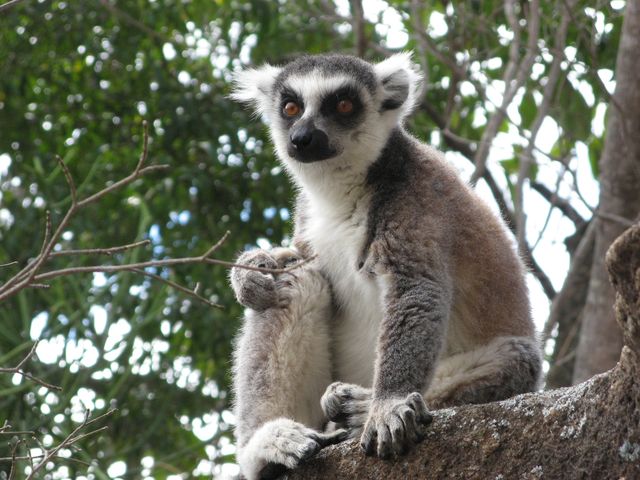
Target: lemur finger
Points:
(331, 438)
(412, 433)
(398, 434)
(385, 447)
(416, 401)
(309, 449)
(368, 439)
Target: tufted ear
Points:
(400, 81)
(254, 87)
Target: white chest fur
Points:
(337, 234)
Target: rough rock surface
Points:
(590, 431)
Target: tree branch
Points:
(527, 160)
(10, 4)
(358, 23)
(560, 203)
(19, 370)
(69, 440)
(28, 275)
(516, 74)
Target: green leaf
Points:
(527, 109)
(595, 152)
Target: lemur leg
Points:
(499, 370)
(505, 367)
(281, 366)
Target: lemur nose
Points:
(302, 138)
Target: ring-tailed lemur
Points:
(429, 295)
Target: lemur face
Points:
(322, 104)
(332, 110)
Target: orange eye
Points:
(291, 109)
(344, 106)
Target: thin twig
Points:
(2, 265)
(516, 74)
(193, 293)
(31, 457)
(560, 203)
(19, 278)
(615, 218)
(18, 369)
(169, 262)
(101, 251)
(126, 18)
(358, 24)
(28, 275)
(8, 5)
(69, 440)
(527, 160)
(69, 178)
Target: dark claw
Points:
(384, 442)
(368, 443)
(310, 450)
(326, 439)
(271, 471)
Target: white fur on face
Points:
(314, 87)
(254, 87)
(399, 68)
(333, 177)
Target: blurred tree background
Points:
(519, 90)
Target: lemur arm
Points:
(417, 301)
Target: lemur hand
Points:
(254, 289)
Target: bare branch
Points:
(192, 293)
(210, 252)
(2, 265)
(527, 160)
(357, 23)
(101, 251)
(28, 275)
(145, 146)
(516, 74)
(128, 19)
(169, 262)
(69, 440)
(8, 5)
(615, 218)
(69, 178)
(560, 203)
(18, 369)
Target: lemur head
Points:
(331, 110)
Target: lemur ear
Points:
(400, 81)
(254, 87)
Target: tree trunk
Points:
(566, 312)
(600, 342)
(591, 430)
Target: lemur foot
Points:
(394, 425)
(280, 445)
(347, 405)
